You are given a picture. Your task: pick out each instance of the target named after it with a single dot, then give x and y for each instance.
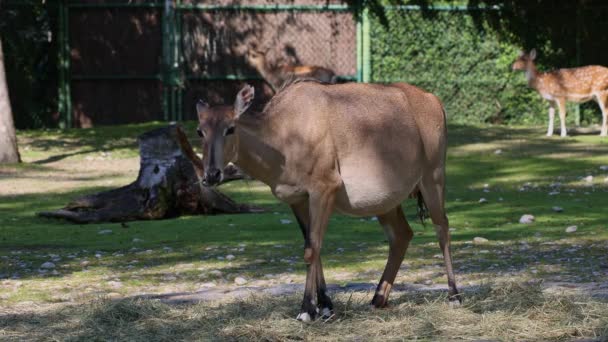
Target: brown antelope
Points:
(360, 149)
(558, 86)
(278, 75)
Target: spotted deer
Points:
(359, 149)
(576, 84)
(276, 76)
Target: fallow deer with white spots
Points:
(575, 84)
(359, 149)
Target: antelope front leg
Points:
(551, 119)
(302, 214)
(399, 234)
(321, 206)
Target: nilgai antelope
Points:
(558, 86)
(278, 75)
(359, 149)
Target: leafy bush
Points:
(465, 61)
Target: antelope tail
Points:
(421, 209)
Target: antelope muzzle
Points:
(213, 176)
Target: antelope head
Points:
(524, 60)
(216, 128)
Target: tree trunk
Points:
(8, 139)
(167, 186)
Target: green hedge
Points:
(466, 61)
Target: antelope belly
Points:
(370, 197)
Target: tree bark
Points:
(8, 140)
(167, 186)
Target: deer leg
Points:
(301, 212)
(551, 119)
(601, 100)
(433, 191)
(561, 105)
(321, 206)
(399, 234)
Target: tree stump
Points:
(168, 185)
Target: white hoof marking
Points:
(455, 304)
(304, 317)
(326, 313)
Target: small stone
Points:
(526, 219)
(438, 256)
(168, 249)
(571, 229)
(115, 284)
(105, 232)
(553, 193)
(483, 200)
(136, 240)
(84, 263)
(216, 273)
(604, 167)
(169, 278)
(285, 221)
(230, 257)
(208, 284)
(47, 265)
(588, 179)
(480, 240)
(98, 256)
(428, 282)
(484, 251)
(240, 281)
(558, 209)
(374, 219)
(499, 151)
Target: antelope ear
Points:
(201, 106)
(243, 100)
(533, 54)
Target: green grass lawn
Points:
(516, 170)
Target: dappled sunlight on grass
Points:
(531, 175)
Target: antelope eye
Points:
(200, 133)
(229, 130)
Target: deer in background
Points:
(276, 76)
(576, 84)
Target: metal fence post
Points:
(363, 42)
(64, 99)
(577, 112)
(366, 46)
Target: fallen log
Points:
(168, 185)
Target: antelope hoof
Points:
(379, 301)
(455, 301)
(304, 317)
(327, 313)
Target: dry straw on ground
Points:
(507, 312)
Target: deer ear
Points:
(201, 106)
(533, 54)
(243, 100)
(521, 53)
